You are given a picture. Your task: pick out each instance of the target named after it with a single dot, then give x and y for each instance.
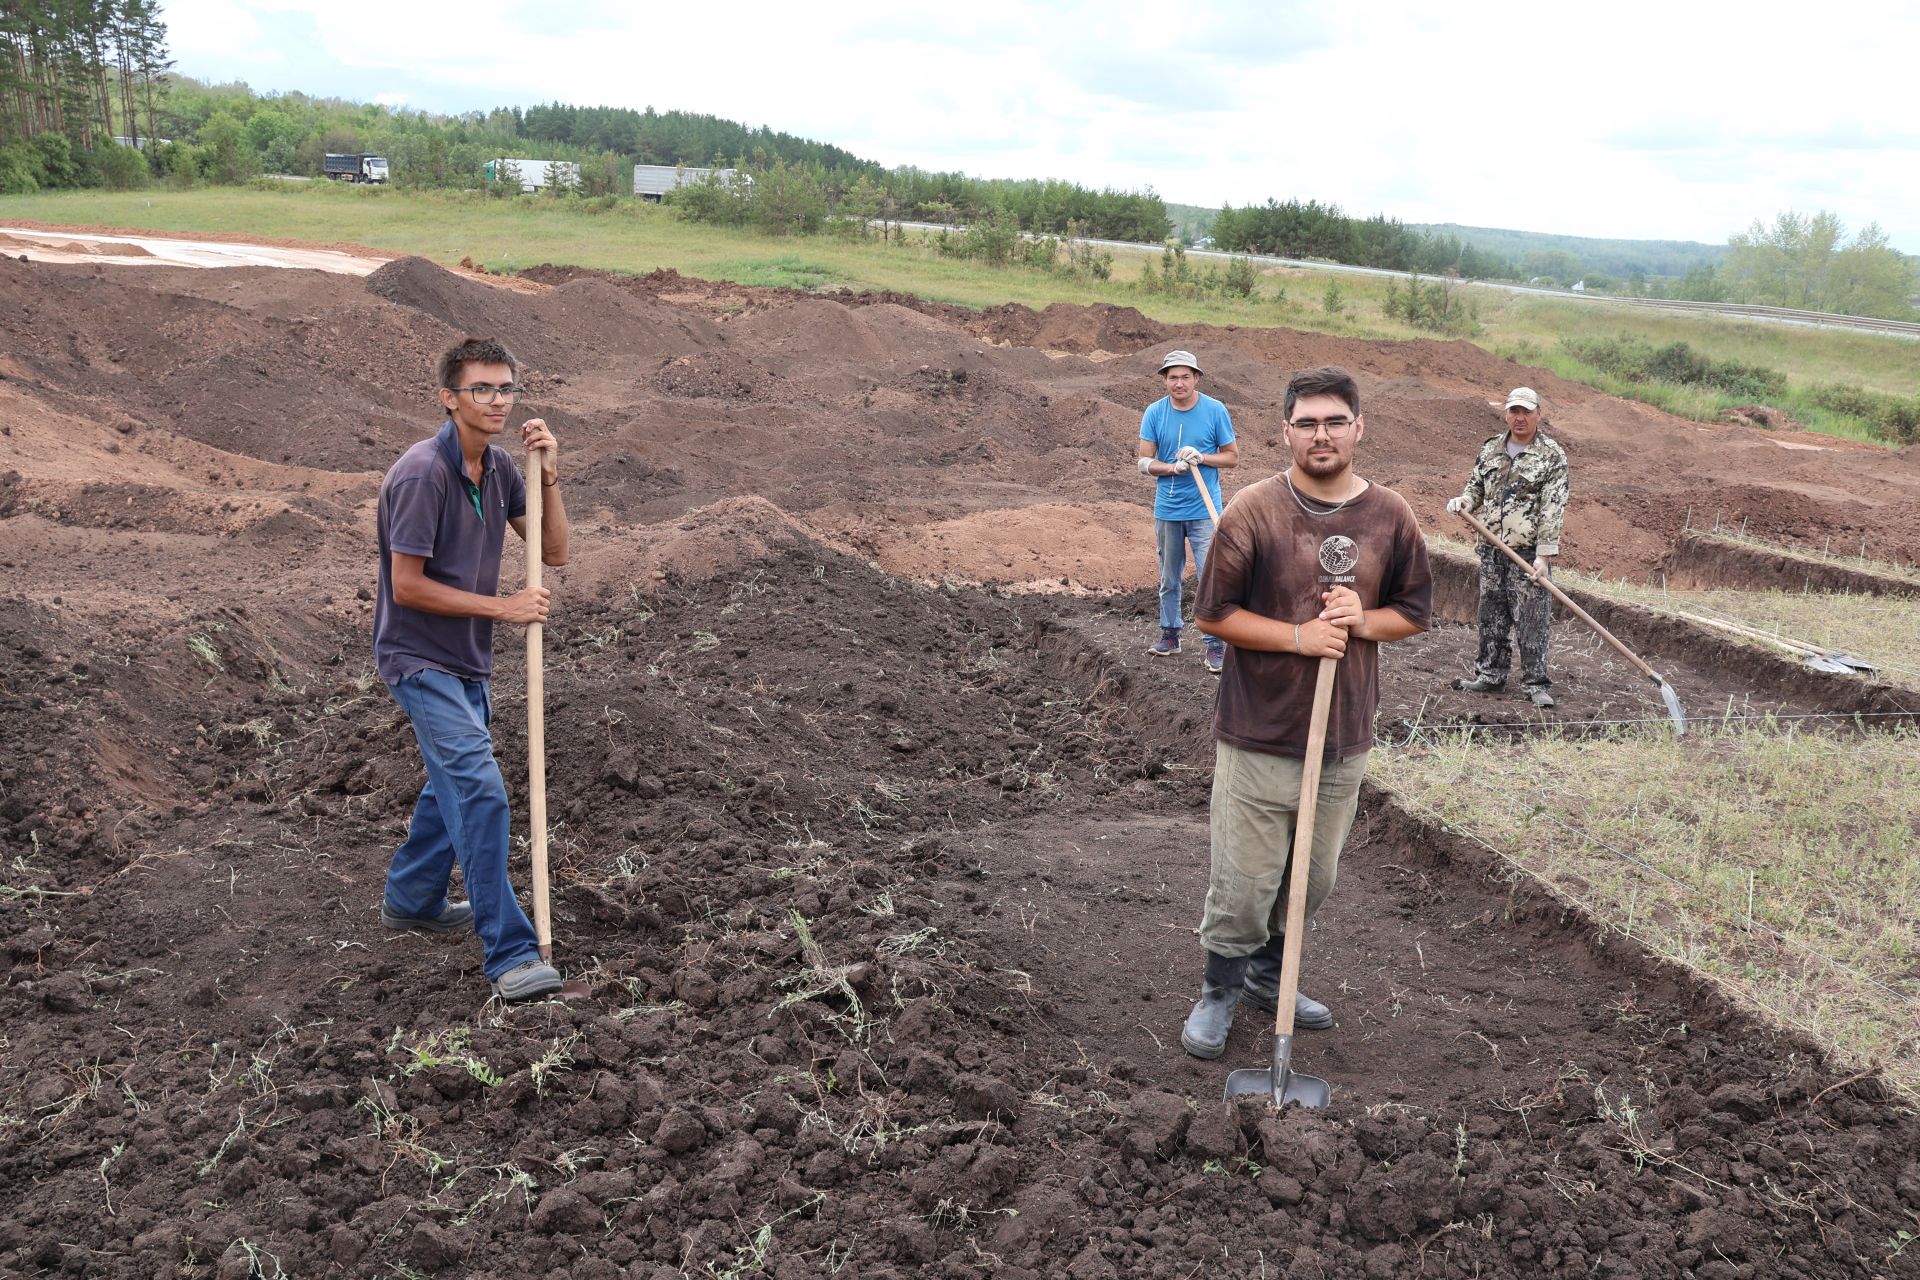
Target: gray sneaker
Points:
(1540, 696)
(1480, 684)
(527, 981)
(456, 915)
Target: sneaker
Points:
(1167, 645)
(1540, 696)
(1480, 684)
(456, 915)
(1216, 655)
(527, 981)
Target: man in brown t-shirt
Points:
(1312, 563)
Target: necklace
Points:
(1353, 484)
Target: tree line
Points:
(75, 74)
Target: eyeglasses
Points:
(1335, 428)
(485, 393)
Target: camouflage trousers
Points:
(1512, 605)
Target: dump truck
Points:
(534, 175)
(355, 166)
(652, 181)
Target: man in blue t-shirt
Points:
(444, 510)
(1185, 439)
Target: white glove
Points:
(1188, 455)
(1540, 566)
(1180, 467)
(1145, 465)
(1456, 505)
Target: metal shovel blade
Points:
(1672, 700)
(1280, 1082)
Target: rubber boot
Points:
(1263, 988)
(1205, 1034)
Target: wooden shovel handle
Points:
(1302, 855)
(1494, 539)
(537, 726)
(1213, 512)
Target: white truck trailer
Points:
(534, 175)
(652, 181)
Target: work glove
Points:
(1540, 566)
(1456, 505)
(1188, 455)
(1180, 466)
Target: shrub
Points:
(1637, 360)
(17, 172)
(121, 168)
(1432, 305)
(1888, 417)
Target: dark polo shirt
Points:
(428, 507)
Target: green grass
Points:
(630, 236)
(1777, 863)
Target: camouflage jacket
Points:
(1524, 499)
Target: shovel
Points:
(1280, 1081)
(1667, 694)
(1213, 512)
(572, 989)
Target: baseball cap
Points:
(1524, 398)
(1179, 358)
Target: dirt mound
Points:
(884, 889)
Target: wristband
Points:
(1145, 463)
(1296, 639)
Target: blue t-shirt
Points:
(429, 507)
(1207, 427)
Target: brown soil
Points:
(1698, 560)
(884, 881)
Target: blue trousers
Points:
(1172, 537)
(461, 813)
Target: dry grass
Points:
(1882, 630)
(1778, 863)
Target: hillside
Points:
(1614, 257)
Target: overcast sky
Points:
(1648, 121)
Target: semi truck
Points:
(355, 166)
(652, 181)
(534, 175)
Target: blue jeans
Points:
(1172, 537)
(461, 813)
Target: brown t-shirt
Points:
(1271, 558)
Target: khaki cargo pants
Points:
(1255, 800)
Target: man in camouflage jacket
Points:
(1519, 490)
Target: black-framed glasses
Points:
(487, 393)
(1335, 428)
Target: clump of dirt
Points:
(1760, 415)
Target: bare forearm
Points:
(429, 596)
(1244, 629)
(1384, 626)
(553, 526)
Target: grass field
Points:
(635, 237)
(1778, 863)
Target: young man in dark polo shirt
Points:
(1315, 562)
(444, 511)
